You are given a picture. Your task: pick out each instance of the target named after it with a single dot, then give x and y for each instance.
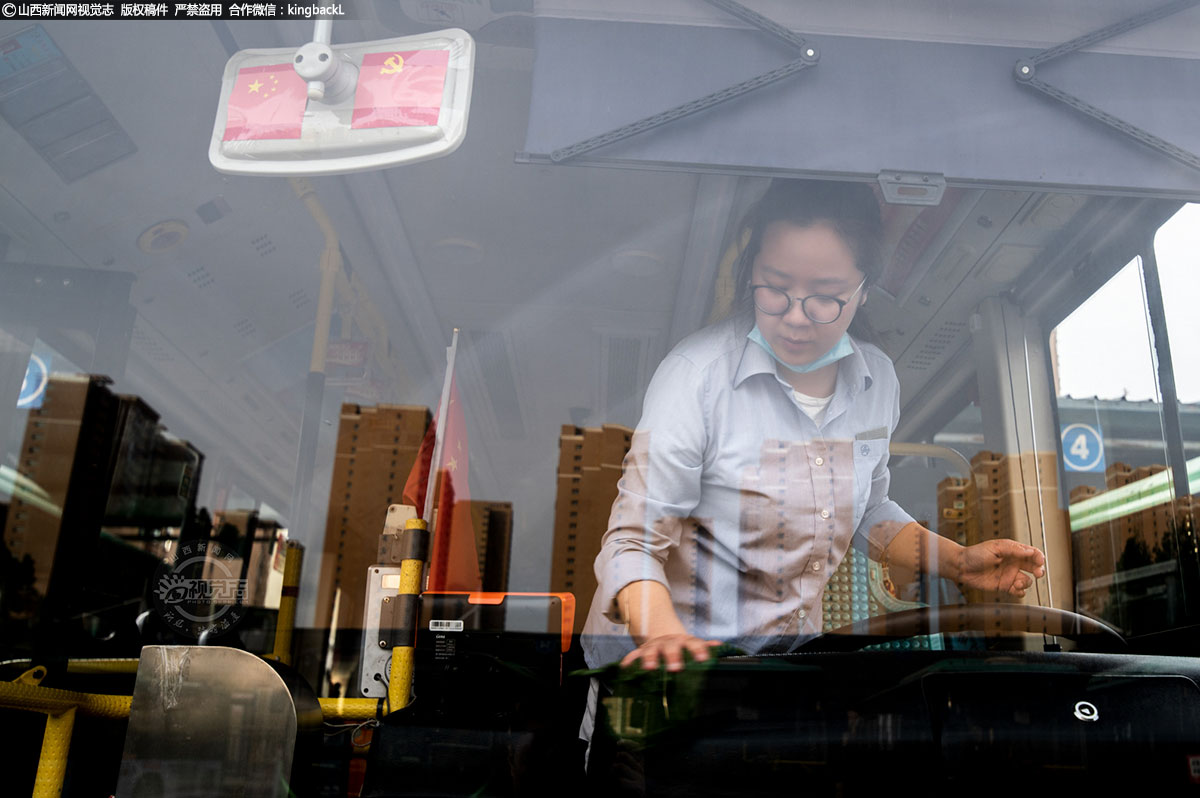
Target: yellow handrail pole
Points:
(349, 708)
(400, 678)
(314, 390)
(59, 706)
(52, 766)
(54, 701)
(102, 666)
(286, 621)
(88, 666)
(331, 264)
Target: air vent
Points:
(624, 355)
(934, 349)
(263, 245)
(299, 298)
(201, 277)
(149, 347)
(492, 353)
(46, 100)
(624, 360)
(245, 327)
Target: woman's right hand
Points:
(660, 636)
(669, 649)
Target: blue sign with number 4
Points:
(33, 387)
(1083, 448)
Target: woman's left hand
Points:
(1001, 565)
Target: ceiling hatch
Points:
(45, 99)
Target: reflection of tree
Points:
(18, 599)
(229, 536)
(1177, 546)
(1135, 555)
(1179, 540)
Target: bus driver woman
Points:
(762, 453)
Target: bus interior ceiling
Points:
(1045, 252)
(531, 262)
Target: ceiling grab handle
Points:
(961, 463)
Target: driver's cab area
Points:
(1033, 335)
(1069, 320)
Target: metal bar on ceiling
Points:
(809, 57)
(1025, 72)
(1109, 31)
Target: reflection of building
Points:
(493, 540)
(155, 476)
(376, 449)
(242, 531)
(90, 457)
(589, 467)
(1134, 447)
(1012, 500)
(958, 509)
(1126, 543)
(64, 461)
(1008, 486)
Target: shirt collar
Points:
(854, 376)
(753, 361)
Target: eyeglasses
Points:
(819, 308)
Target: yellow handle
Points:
(401, 677)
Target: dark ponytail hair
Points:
(849, 209)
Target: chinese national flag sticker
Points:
(400, 89)
(267, 102)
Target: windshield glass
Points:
(675, 353)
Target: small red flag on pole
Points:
(454, 561)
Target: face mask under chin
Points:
(841, 349)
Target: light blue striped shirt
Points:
(737, 501)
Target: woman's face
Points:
(803, 261)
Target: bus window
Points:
(1176, 247)
(217, 390)
(1131, 534)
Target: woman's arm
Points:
(657, 492)
(653, 624)
(996, 565)
(915, 548)
(1000, 565)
